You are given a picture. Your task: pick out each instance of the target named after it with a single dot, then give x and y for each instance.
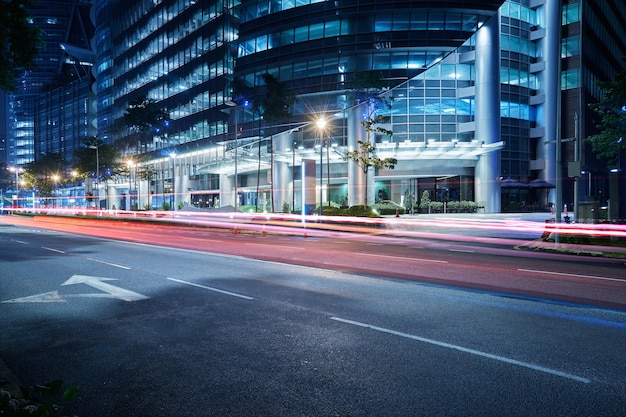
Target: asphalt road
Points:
(157, 331)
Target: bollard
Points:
(397, 212)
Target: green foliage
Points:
(612, 125)
(277, 101)
(20, 41)
(105, 162)
(361, 211)
(425, 200)
(165, 206)
(366, 88)
(38, 401)
(144, 118)
(388, 207)
(41, 174)
(143, 114)
(436, 206)
(365, 157)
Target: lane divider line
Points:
(109, 263)
(564, 274)
(53, 250)
(467, 350)
(401, 257)
(193, 284)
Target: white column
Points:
(549, 113)
(227, 189)
(356, 177)
(487, 115)
(283, 177)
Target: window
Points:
(570, 13)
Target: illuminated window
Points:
(570, 13)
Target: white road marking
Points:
(193, 284)
(109, 263)
(47, 297)
(466, 350)
(402, 257)
(99, 284)
(19, 241)
(570, 275)
(53, 250)
(274, 246)
(108, 291)
(461, 250)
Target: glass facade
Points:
(185, 55)
(176, 53)
(59, 20)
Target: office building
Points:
(482, 92)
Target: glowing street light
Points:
(17, 171)
(130, 163)
(97, 174)
(173, 195)
(321, 124)
(55, 180)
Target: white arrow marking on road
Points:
(46, 297)
(99, 284)
(110, 291)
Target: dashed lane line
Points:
(467, 350)
(193, 284)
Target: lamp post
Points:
(97, 174)
(130, 164)
(321, 126)
(233, 104)
(17, 171)
(293, 176)
(55, 180)
(173, 195)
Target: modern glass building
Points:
(67, 27)
(481, 93)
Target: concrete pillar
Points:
(227, 190)
(548, 113)
(283, 175)
(487, 116)
(356, 177)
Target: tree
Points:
(366, 89)
(612, 126)
(365, 157)
(145, 118)
(6, 177)
(100, 165)
(45, 173)
(20, 41)
(276, 106)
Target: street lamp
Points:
(234, 106)
(97, 174)
(55, 180)
(321, 126)
(130, 163)
(173, 195)
(17, 171)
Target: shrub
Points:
(38, 401)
